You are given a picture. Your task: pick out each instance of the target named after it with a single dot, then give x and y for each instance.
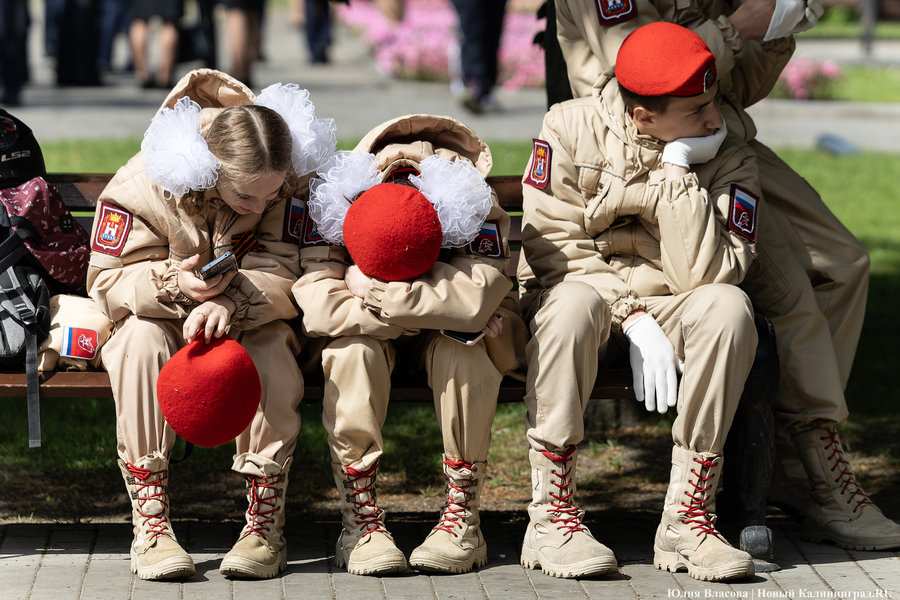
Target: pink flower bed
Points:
(419, 46)
(806, 79)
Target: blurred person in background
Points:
(115, 18)
(14, 22)
(170, 11)
(313, 17)
(242, 24)
(480, 26)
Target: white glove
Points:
(786, 16)
(814, 10)
(652, 364)
(694, 151)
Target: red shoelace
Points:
(158, 523)
(696, 513)
(567, 512)
(846, 475)
(262, 508)
(371, 522)
(450, 517)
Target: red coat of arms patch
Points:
(114, 223)
(538, 172)
(79, 343)
(611, 12)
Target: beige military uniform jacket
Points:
(607, 216)
(141, 235)
(459, 292)
(746, 70)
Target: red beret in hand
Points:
(208, 393)
(393, 232)
(664, 59)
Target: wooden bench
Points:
(80, 193)
(746, 488)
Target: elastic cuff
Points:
(623, 307)
(241, 302)
(376, 290)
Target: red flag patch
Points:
(611, 12)
(112, 230)
(742, 212)
(488, 241)
(538, 172)
(79, 343)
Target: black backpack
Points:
(24, 296)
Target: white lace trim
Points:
(175, 154)
(461, 197)
(341, 178)
(314, 139)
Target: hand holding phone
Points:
(469, 338)
(217, 266)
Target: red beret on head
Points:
(208, 393)
(664, 59)
(392, 232)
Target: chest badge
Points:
(538, 173)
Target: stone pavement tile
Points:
(107, 580)
(112, 542)
(555, 588)
(207, 582)
(882, 567)
(17, 572)
(467, 585)
(60, 576)
(649, 582)
(410, 585)
(254, 589)
(156, 590)
(616, 586)
(507, 581)
(307, 579)
(353, 587)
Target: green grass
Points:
(842, 22)
(867, 84)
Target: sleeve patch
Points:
(244, 243)
(293, 220)
(79, 343)
(742, 212)
(488, 242)
(112, 230)
(611, 12)
(538, 171)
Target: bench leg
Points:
(750, 455)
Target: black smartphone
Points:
(222, 264)
(469, 338)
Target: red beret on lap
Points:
(208, 393)
(393, 232)
(664, 59)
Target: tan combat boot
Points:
(789, 488)
(155, 553)
(839, 510)
(456, 545)
(687, 537)
(556, 539)
(364, 547)
(261, 550)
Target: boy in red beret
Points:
(403, 242)
(814, 275)
(639, 221)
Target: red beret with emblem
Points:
(392, 232)
(209, 393)
(664, 59)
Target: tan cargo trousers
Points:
(711, 329)
(140, 347)
(812, 283)
(358, 371)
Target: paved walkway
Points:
(81, 562)
(358, 97)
